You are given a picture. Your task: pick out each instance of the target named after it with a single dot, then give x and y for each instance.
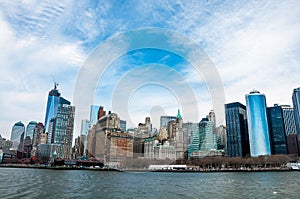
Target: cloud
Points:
(253, 44)
(27, 62)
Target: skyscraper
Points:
(30, 130)
(237, 130)
(63, 131)
(101, 112)
(94, 114)
(52, 105)
(123, 125)
(59, 124)
(290, 129)
(212, 116)
(296, 103)
(54, 101)
(17, 134)
(257, 124)
(194, 145)
(85, 125)
(164, 120)
(83, 138)
(178, 139)
(289, 119)
(276, 129)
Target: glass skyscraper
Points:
(165, 119)
(30, 130)
(17, 134)
(290, 128)
(296, 103)
(194, 144)
(237, 130)
(123, 125)
(63, 132)
(52, 105)
(277, 130)
(257, 124)
(85, 125)
(54, 101)
(289, 119)
(94, 114)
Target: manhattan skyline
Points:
(252, 45)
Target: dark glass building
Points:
(236, 129)
(296, 103)
(276, 130)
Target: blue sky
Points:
(252, 44)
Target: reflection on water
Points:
(36, 183)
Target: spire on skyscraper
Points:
(178, 114)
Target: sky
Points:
(251, 44)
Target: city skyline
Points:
(258, 38)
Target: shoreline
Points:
(144, 170)
(56, 167)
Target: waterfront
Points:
(37, 183)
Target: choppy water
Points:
(36, 183)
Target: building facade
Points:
(278, 140)
(63, 132)
(17, 135)
(52, 105)
(258, 124)
(94, 114)
(123, 125)
(30, 130)
(290, 129)
(296, 103)
(237, 130)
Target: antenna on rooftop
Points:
(55, 83)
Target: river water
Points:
(40, 183)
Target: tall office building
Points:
(212, 116)
(59, 124)
(101, 112)
(257, 124)
(290, 128)
(39, 129)
(296, 103)
(83, 138)
(207, 136)
(63, 131)
(194, 145)
(94, 114)
(17, 134)
(289, 119)
(85, 125)
(52, 105)
(178, 139)
(164, 120)
(167, 121)
(123, 125)
(221, 137)
(203, 144)
(278, 140)
(188, 130)
(30, 130)
(237, 130)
